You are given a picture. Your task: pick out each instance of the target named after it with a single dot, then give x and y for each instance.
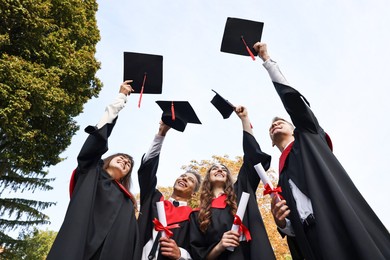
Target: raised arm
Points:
(147, 173)
(156, 145)
(112, 110)
(97, 142)
(294, 102)
(242, 113)
(271, 66)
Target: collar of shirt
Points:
(181, 203)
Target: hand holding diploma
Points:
(237, 224)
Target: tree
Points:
(47, 74)
(34, 245)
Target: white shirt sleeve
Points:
(274, 72)
(184, 255)
(288, 229)
(112, 110)
(155, 148)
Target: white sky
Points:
(334, 52)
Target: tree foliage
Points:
(47, 74)
(34, 245)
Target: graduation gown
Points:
(100, 222)
(149, 195)
(346, 226)
(247, 181)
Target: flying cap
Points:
(222, 105)
(240, 35)
(177, 114)
(146, 72)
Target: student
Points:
(100, 221)
(176, 207)
(323, 214)
(210, 230)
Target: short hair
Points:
(198, 178)
(276, 118)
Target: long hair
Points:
(207, 195)
(126, 180)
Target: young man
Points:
(176, 207)
(323, 214)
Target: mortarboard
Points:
(222, 105)
(240, 35)
(146, 72)
(177, 114)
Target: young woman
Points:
(210, 226)
(100, 222)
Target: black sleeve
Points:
(298, 108)
(247, 176)
(199, 244)
(94, 147)
(147, 177)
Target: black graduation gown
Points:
(247, 181)
(149, 195)
(100, 222)
(346, 226)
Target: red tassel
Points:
(247, 48)
(173, 112)
(142, 91)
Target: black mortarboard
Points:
(146, 72)
(240, 35)
(177, 114)
(223, 105)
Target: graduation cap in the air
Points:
(222, 105)
(240, 35)
(177, 114)
(146, 72)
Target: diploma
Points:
(240, 212)
(161, 216)
(264, 178)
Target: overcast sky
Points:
(336, 53)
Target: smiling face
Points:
(119, 167)
(185, 185)
(218, 174)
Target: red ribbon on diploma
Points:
(268, 190)
(242, 228)
(159, 227)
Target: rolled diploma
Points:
(240, 212)
(161, 216)
(264, 178)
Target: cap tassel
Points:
(173, 112)
(247, 48)
(142, 91)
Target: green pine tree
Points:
(47, 74)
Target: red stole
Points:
(220, 202)
(176, 214)
(284, 155)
